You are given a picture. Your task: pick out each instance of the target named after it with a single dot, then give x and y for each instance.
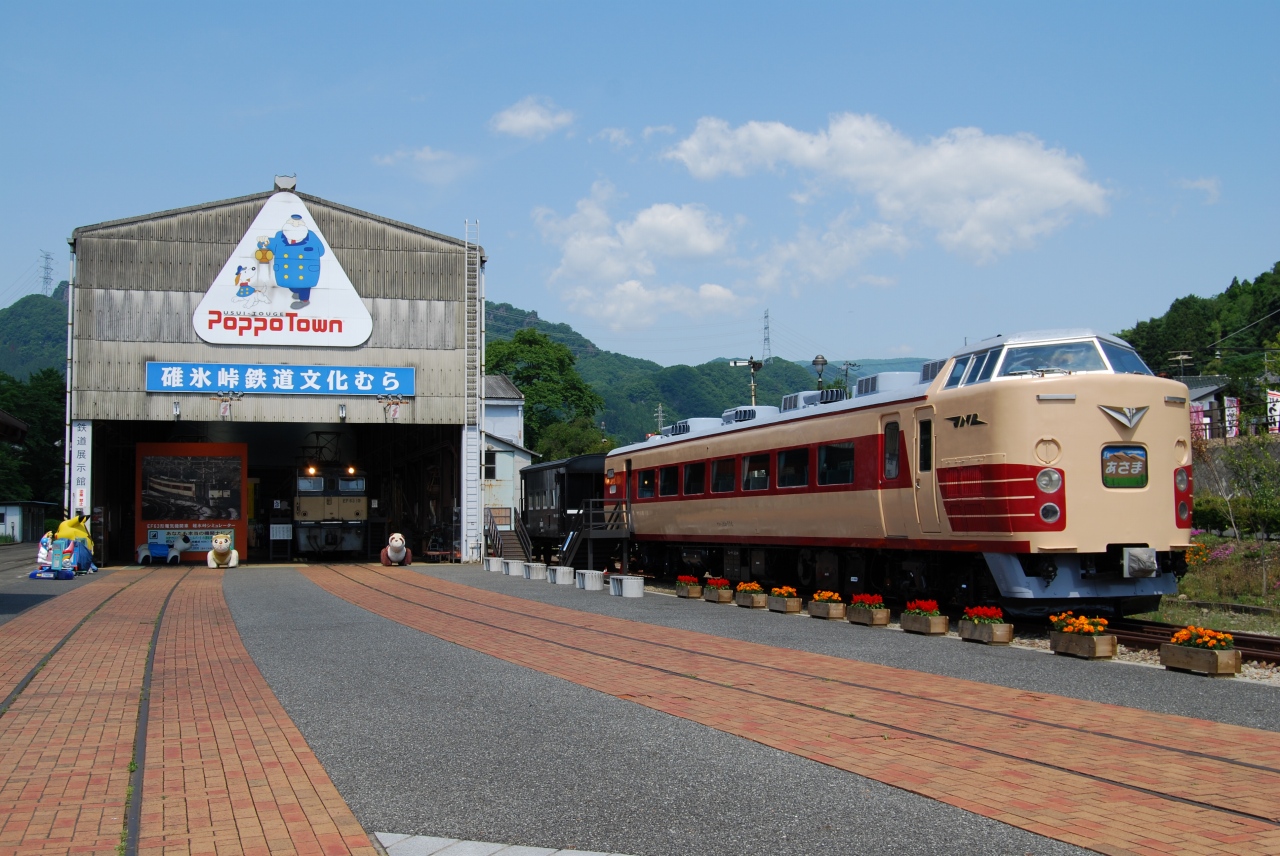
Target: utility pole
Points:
(660, 416)
(766, 354)
(46, 273)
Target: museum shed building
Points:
(299, 373)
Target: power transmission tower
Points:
(766, 355)
(661, 417)
(46, 273)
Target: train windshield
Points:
(314, 484)
(1124, 360)
(1058, 358)
(356, 484)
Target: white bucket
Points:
(535, 571)
(592, 580)
(564, 575)
(632, 586)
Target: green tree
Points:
(544, 372)
(567, 439)
(40, 402)
(1255, 473)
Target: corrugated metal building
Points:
(137, 288)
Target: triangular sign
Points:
(283, 286)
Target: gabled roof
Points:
(510, 444)
(109, 225)
(500, 386)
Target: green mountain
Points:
(633, 388)
(1227, 334)
(33, 334)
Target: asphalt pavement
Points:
(423, 737)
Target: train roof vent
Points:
(868, 385)
(886, 381)
(830, 396)
(930, 370)
(694, 426)
(668, 430)
(798, 400)
(747, 414)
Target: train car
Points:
(1042, 471)
(553, 493)
(331, 510)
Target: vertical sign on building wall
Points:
(1273, 411)
(1231, 416)
(81, 465)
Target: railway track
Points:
(1137, 633)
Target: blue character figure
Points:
(295, 254)
(243, 276)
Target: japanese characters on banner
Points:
(81, 465)
(1199, 421)
(1231, 415)
(283, 286)
(254, 378)
(1273, 411)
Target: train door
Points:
(890, 466)
(926, 489)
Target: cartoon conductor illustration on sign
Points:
(283, 285)
(297, 259)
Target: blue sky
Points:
(885, 179)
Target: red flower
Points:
(867, 600)
(991, 614)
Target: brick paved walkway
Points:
(226, 769)
(225, 772)
(1110, 778)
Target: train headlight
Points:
(1180, 480)
(1049, 512)
(1183, 511)
(1049, 481)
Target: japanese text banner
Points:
(252, 378)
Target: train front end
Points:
(1078, 459)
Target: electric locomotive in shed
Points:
(331, 510)
(1041, 471)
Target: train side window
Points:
(722, 476)
(755, 472)
(975, 366)
(926, 445)
(957, 371)
(793, 468)
(645, 484)
(835, 463)
(993, 357)
(891, 450)
(668, 481)
(695, 479)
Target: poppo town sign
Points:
(283, 286)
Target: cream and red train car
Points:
(1041, 471)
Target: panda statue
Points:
(396, 553)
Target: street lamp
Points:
(819, 363)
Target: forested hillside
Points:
(633, 388)
(33, 334)
(1224, 334)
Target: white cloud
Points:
(608, 269)
(616, 137)
(981, 194)
(841, 247)
(658, 129)
(594, 247)
(631, 304)
(1211, 187)
(532, 118)
(428, 164)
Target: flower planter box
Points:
(711, 595)
(750, 600)
(987, 634)
(1206, 661)
(832, 611)
(688, 591)
(784, 604)
(925, 625)
(869, 617)
(1102, 647)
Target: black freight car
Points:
(554, 493)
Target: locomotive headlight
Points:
(1049, 512)
(1180, 481)
(1183, 511)
(1049, 481)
